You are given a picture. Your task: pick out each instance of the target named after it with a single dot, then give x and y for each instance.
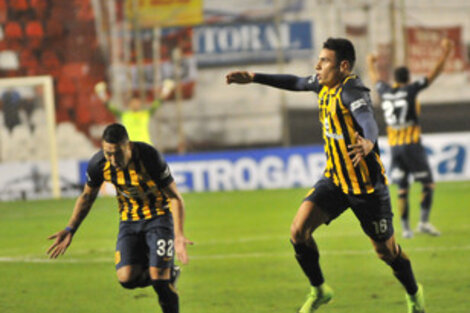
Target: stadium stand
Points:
(36, 41)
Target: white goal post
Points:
(48, 100)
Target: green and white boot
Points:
(416, 302)
(317, 296)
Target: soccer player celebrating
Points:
(137, 117)
(354, 176)
(149, 232)
(401, 110)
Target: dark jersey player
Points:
(354, 176)
(151, 211)
(401, 111)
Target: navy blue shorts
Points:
(147, 243)
(410, 160)
(374, 211)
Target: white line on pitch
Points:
(6, 259)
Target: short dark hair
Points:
(343, 48)
(115, 133)
(402, 75)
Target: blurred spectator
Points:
(11, 102)
(136, 118)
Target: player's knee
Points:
(127, 277)
(428, 187)
(385, 254)
(297, 234)
(403, 194)
(128, 284)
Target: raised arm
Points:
(447, 46)
(63, 238)
(178, 212)
(282, 81)
(102, 94)
(372, 68)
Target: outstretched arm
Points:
(177, 209)
(240, 77)
(282, 81)
(447, 46)
(63, 238)
(372, 68)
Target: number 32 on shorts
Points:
(165, 247)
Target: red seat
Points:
(40, 7)
(28, 59)
(34, 29)
(74, 70)
(83, 115)
(50, 59)
(66, 86)
(19, 5)
(13, 30)
(3, 11)
(54, 29)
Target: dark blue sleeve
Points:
(155, 165)
(359, 103)
(382, 87)
(419, 85)
(288, 82)
(94, 172)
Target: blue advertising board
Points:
(273, 168)
(217, 45)
(244, 169)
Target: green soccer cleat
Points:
(416, 302)
(316, 297)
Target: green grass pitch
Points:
(241, 262)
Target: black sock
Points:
(404, 273)
(308, 258)
(426, 203)
(167, 296)
(404, 208)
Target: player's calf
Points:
(167, 296)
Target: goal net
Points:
(28, 147)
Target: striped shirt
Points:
(343, 111)
(139, 186)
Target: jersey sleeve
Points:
(94, 172)
(419, 84)
(155, 165)
(359, 103)
(382, 87)
(289, 82)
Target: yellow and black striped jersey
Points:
(340, 111)
(139, 186)
(336, 106)
(401, 111)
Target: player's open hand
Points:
(358, 151)
(447, 44)
(240, 77)
(63, 239)
(180, 248)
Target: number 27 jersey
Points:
(401, 111)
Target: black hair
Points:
(343, 48)
(402, 75)
(115, 133)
